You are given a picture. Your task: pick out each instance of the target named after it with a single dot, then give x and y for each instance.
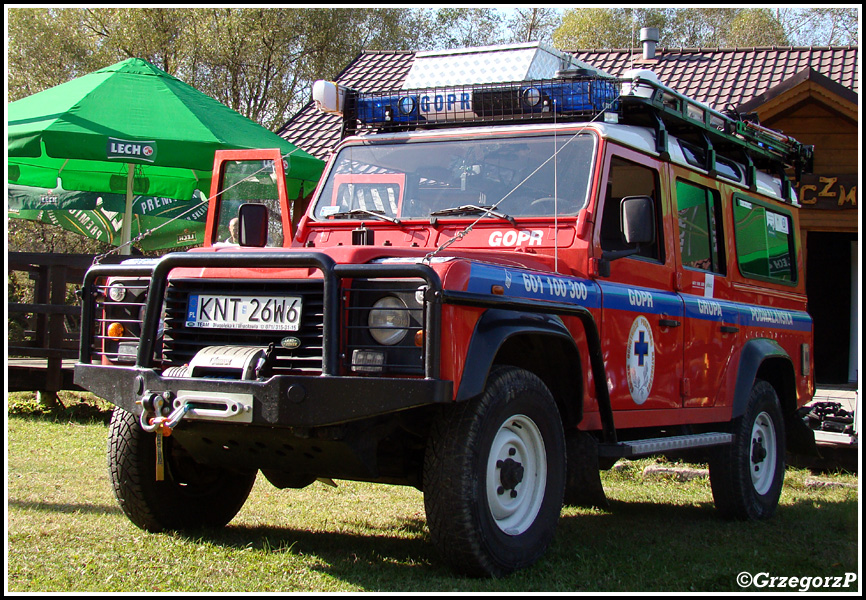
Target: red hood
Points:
(442, 262)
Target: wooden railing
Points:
(48, 334)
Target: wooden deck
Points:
(47, 335)
(29, 374)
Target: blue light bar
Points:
(509, 101)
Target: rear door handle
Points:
(669, 323)
(729, 329)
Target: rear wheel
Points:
(494, 475)
(747, 476)
(190, 496)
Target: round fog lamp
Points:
(388, 320)
(115, 330)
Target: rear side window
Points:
(699, 217)
(765, 242)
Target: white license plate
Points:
(282, 313)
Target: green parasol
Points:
(170, 223)
(133, 129)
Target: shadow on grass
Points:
(82, 413)
(66, 508)
(382, 561)
(629, 546)
(831, 460)
(694, 544)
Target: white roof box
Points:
(490, 64)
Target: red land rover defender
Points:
(496, 291)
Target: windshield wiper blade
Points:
(357, 212)
(474, 209)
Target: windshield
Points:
(453, 178)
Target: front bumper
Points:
(281, 401)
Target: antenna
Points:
(631, 48)
(555, 200)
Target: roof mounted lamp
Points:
(329, 97)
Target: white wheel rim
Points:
(516, 475)
(762, 453)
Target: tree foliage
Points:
(584, 28)
(532, 24)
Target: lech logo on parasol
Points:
(126, 149)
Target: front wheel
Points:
(190, 496)
(747, 476)
(494, 475)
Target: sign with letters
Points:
(826, 192)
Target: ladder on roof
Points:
(666, 110)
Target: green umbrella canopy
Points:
(170, 223)
(87, 131)
(132, 128)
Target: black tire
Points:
(191, 495)
(484, 517)
(747, 476)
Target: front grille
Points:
(181, 343)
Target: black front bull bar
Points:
(281, 400)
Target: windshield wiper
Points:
(357, 212)
(473, 209)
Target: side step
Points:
(659, 445)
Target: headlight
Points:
(117, 292)
(388, 320)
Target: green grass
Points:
(66, 534)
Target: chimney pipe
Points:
(649, 37)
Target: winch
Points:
(223, 362)
(220, 362)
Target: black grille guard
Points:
(331, 273)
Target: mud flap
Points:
(801, 438)
(583, 477)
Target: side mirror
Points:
(638, 220)
(253, 225)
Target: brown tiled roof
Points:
(717, 77)
(720, 77)
(316, 132)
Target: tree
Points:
(47, 47)
(821, 26)
(260, 62)
(257, 61)
(708, 27)
(584, 28)
(756, 27)
(532, 24)
(465, 27)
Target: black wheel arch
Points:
(765, 359)
(540, 343)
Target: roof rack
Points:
(647, 102)
(579, 95)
